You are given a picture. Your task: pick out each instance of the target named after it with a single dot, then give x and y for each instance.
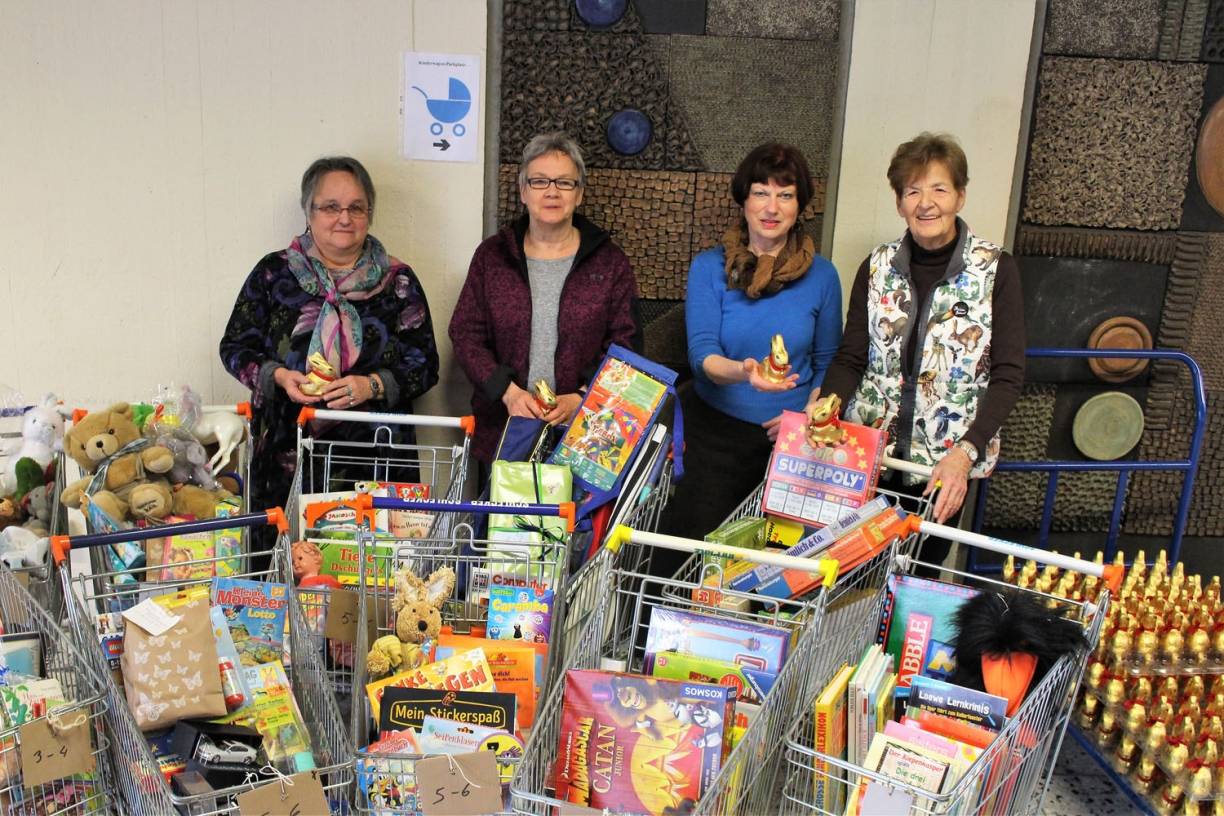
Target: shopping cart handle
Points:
(1110, 574)
(242, 409)
(563, 510)
(465, 423)
(827, 567)
(906, 466)
(60, 545)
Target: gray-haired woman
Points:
(543, 300)
(334, 294)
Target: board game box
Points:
(640, 744)
(817, 485)
(916, 626)
(255, 612)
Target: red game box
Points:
(640, 744)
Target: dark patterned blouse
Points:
(271, 326)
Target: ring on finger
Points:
(350, 391)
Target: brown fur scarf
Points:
(765, 274)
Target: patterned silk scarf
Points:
(335, 321)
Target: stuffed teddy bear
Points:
(418, 617)
(95, 442)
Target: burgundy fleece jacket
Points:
(491, 325)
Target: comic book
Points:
(255, 611)
(640, 744)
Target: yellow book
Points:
(885, 708)
(830, 738)
(462, 671)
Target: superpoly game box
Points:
(817, 485)
(640, 744)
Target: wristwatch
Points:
(969, 450)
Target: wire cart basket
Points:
(138, 781)
(386, 782)
(1012, 773)
(81, 684)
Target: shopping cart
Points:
(81, 683)
(1011, 775)
(329, 466)
(478, 564)
(138, 780)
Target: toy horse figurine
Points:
(824, 428)
(777, 364)
(545, 396)
(320, 374)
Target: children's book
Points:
(830, 739)
(399, 524)
(754, 646)
(916, 627)
(817, 485)
(464, 671)
(408, 708)
(959, 703)
(518, 668)
(640, 744)
(255, 612)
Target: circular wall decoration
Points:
(1119, 333)
(601, 13)
(1209, 157)
(1107, 426)
(629, 131)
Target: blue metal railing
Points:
(1124, 468)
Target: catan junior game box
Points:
(640, 744)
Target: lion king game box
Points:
(817, 485)
(640, 744)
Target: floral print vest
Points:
(955, 341)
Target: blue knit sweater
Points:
(807, 312)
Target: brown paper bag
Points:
(173, 676)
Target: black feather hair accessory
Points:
(996, 625)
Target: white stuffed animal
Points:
(20, 547)
(223, 428)
(42, 437)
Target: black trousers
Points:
(724, 460)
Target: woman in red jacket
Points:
(543, 300)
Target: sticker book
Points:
(640, 744)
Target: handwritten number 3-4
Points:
(467, 789)
(63, 752)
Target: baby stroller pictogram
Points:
(449, 110)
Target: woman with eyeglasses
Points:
(543, 300)
(333, 296)
(764, 278)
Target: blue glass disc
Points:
(629, 131)
(601, 13)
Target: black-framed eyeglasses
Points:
(540, 183)
(357, 212)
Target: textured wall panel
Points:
(1182, 29)
(1204, 343)
(1152, 502)
(1015, 499)
(575, 81)
(537, 15)
(1176, 321)
(1111, 142)
(1088, 28)
(1213, 33)
(1116, 245)
(672, 16)
(730, 95)
(666, 340)
(780, 19)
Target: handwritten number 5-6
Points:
(467, 789)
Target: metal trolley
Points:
(1011, 775)
(476, 563)
(84, 686)
(138, 781)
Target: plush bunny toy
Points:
(418, 618)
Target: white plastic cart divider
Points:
(466, 423)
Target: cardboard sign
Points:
(459, 785)
(47, 755)
(342, 612)
(298, 795)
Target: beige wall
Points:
(943, 65)
(150, 154)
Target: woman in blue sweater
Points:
(764, 279)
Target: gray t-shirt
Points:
(547, 278)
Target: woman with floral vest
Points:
(933, 348)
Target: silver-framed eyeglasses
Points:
(357, 212)
(541, 183)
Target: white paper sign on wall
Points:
(441, 107)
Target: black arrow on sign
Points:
(442, 145)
